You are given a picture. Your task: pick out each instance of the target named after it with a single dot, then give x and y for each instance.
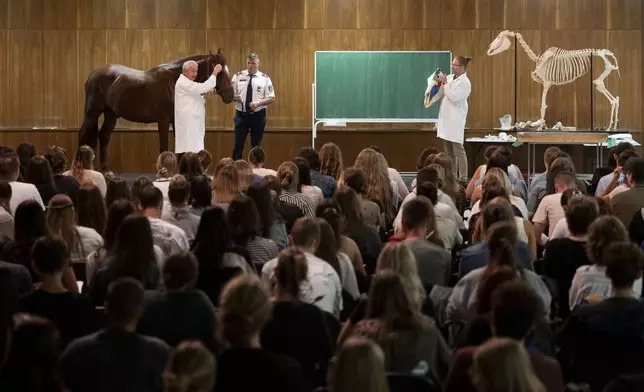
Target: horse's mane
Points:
(177, 64)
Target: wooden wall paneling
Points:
(503, 76)
(219, 115)
(4, 14)
(60, 69)
(4, 70)
(182, 14)
(574, 14)
(289, 14)
(224, 14)
(299, 89)
(314, 14)
(374, 14)
(528, 91)
(256, 15)
(340, 14)
(25, 14)
(523, 14)
(60, 14)
(281, 112)
(465, 14)
(617, 14)
(92, 50)
(24, 79)
(406, 14)
(432, 14)
(102, 14)
(177, 44)
(142, 14)
(313, 41)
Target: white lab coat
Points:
(453, 110)
(190, 113)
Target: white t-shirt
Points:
(21, 191)
(95, 178)
(263, 172)
(549, 212)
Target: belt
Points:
(259, 112)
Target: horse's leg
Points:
(104, 135)
(164, 126)
(88, 135)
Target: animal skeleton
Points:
(556, 67)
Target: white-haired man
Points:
(253, 92)
(190, 108)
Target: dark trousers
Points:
(245, 122)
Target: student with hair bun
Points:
(288, 176)
(191, 368)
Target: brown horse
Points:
(141, 96)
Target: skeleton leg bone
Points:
(542, 120)
(602, 89)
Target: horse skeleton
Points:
(556, 67)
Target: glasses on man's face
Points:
(457, 65)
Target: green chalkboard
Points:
(376, 86)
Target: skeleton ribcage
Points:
(558, 66)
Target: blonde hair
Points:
(226, 185)
(245, 174)
(167, 164)
(503, 365)
(223, 162)
(244, 309)
(452, 186)
(331, 160)
(288, 175)
(378, 185)
(61, 220)
(498, 175)
(82, 161)
(205, 159)
(359, 367)
(398, 257)
(290, 272)
(191, 368)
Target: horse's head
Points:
(501, 43)
(224, 86)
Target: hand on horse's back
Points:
(217, 69)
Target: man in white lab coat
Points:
(190, 108)
(453, 113)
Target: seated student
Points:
(540, 191)
(603, 340)
(244, 365)
(297, 329)
(21, 191)
(618, 183)
(549, 156)
(446, 227)
(179, 213)
(359, 366)
(550, 211)
(355, 179)
(327, 184)
(627, 203)
(191, 368)
(563, 256)
(73, 315)
(603, 176)
(420, 234)
(502, 159)
(480, 171)
(180, 312)
(117, 359)
(394, 176)
(6, 218)
(324, 288)
(499, 177)
(168, 237)
(515, 308)
(256, 158)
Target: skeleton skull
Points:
(500, 44)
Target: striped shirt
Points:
(302, 202)
(261, 250)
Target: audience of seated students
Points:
(604, 175)
(40, 175)
(398, 258)
(394, 176)
(420, 234)
(243, 225)
(446, 227)
(477, 255)
(356, 180)
(190, 166)
(57, 157)
(563, 256)
(167, 167)
(117, 189)
(550, 211)
(451, 185)
(379, 188)
(20, 191)
(244, 365)
(82, 169)
(74, 315)
(290, 212)
(480, 172)
(117, 358)
(603, 340)
(271, 223)
(499, 177)
(304, 186)
(288, 177)
(359, 366)
(168, 237)
(179, 213)
(90, 208)
(225, 186)
(618, 182)
(132, 255)
(245, 174)
(297, 329)
(331, 163)
(205, 160)
(329, 251)
(514, 310)
(363, 235)
(6, 218)
(257, 158)
(502, 159)
(327, 184)
(179, 312)
(191, 368)
(629, 202)
(200, 195)
(137, 187)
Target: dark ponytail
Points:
(291, 271)
(328, 248)
(502, 245)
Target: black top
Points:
(636, 228)
(106, 275)
(560, 262)
(369, 244)
(290, 213)
(253, 370)
(20, 276)
(47, 192)
(299, 331)
(602, 341)
(73, 314)
(177, 316)
(67, 185)
(114, 360)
